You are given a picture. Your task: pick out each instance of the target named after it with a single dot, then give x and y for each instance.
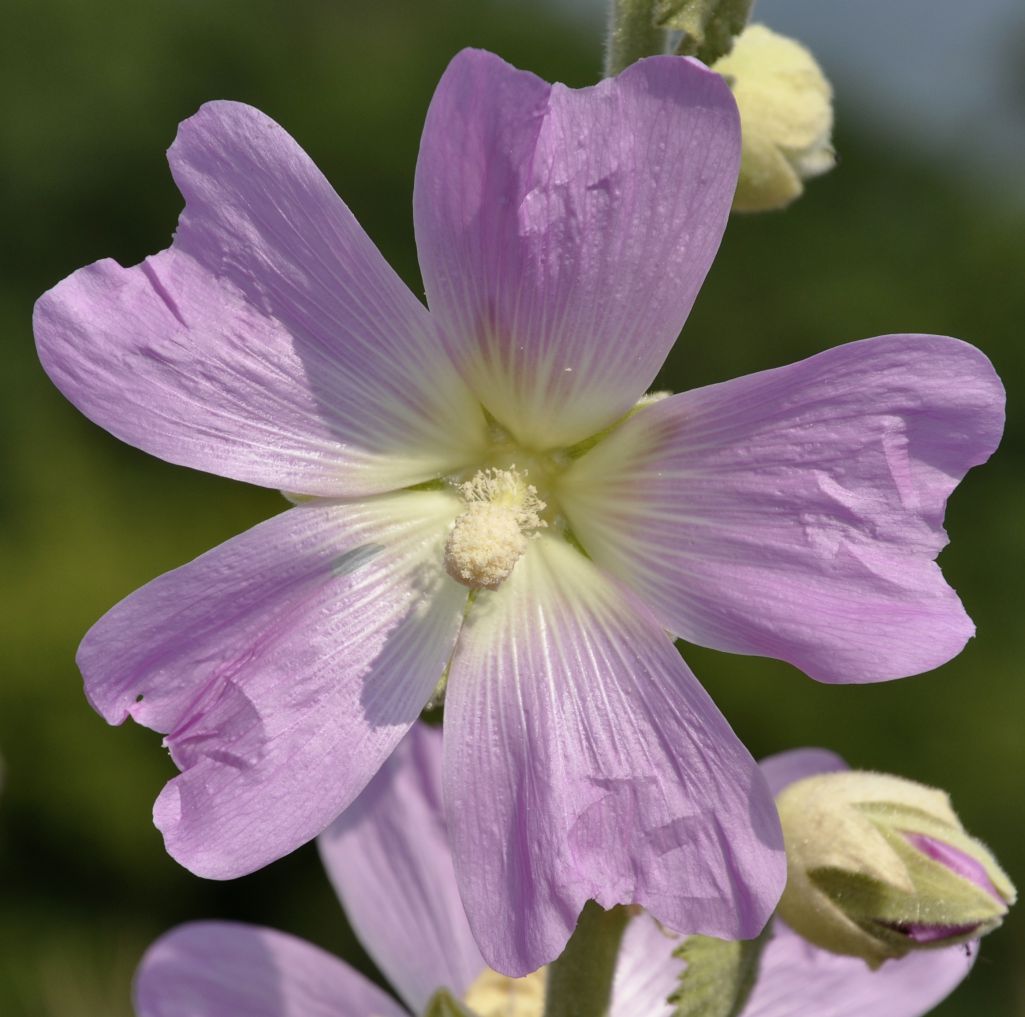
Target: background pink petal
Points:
(797, 513)
(563, 234)
(284, 666)
(785, 768)
(272, 343)
(226, 969)
(389, 858)
(583, 760)
(797, 979)
(646, 972)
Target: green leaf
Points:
(719, 977)
(444, 1004)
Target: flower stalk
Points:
(633, 34)
(701, 28)
(580, 980)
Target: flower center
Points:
(495, 995)
(490, 536)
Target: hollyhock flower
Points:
(389, 860)
(475, 508)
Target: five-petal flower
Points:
(563, 236)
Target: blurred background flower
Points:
(918, 228)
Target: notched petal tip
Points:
(214, 123)
(797, 513)
(563, 233)
(689, 72)
(626, 787)
(270, 343)
(282, 680)
(488, 62)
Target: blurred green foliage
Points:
(92, 95)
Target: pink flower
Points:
(563, 236)
(389, 860)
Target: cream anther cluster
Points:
(495, 995)
(490, 536)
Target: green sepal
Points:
(708, 26)
(719, 977)
(937, 896)
(948, 900)
(434, 484)
(909, 820)
(586, 444)
(444, 1004)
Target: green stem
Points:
(580, 980)
(632, 34)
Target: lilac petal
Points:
(921, 932)
(271, 343)
(389, 859)
(787, 768)
(226, 969)
(284, 666)
(797, 978)
(957, 861)
(797, 513)
(583, 760)
(647, 973)
(564, 234)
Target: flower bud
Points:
(786, 117)
(878, 866)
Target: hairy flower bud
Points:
(878, 866)
(786, 118)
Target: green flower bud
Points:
(786, 117)
(878, 866)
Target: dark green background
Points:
(91, 96)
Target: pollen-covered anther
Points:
(490, 536)
(495, 995)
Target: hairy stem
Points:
(580, 980)
(632, 34)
